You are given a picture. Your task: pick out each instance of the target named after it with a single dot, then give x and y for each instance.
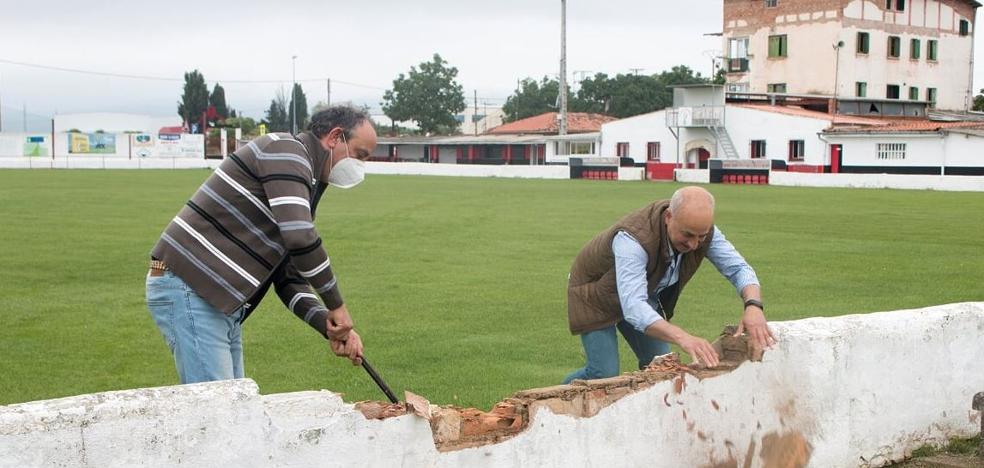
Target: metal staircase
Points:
(724, 141)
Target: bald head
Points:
(692, 197)
(690, 218)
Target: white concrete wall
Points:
(745, 125)
(891, 181)
(638, 131)
(469, 170)
(964, 150)
(692, 176)
(921, 150)
(861, 390)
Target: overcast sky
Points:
(361, 45)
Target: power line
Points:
(170, 79)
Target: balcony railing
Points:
(737, 65)
(704, 116)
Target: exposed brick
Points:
(446, 425)
(546, 392)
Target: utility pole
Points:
(293, 95)
(474, 119)
(329, 91)
(635, 71)
(563, 73)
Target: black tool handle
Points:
(379, 381)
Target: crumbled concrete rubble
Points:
(457, 428)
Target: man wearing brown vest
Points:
(630, 276)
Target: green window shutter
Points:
(914, 47)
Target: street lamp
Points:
(293, 95)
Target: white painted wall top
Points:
(860, 390)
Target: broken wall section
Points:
(850, 391)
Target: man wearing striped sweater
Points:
(249, 226)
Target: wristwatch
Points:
(756, 303)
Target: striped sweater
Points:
(251, 225)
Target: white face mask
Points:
(348, 172)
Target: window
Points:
(863, 42)
(860, 89)
(892, 91)
(652, 151)
(797, 148)
(891, 150)
(914, 47)
(582, 147)
(899, 5)
(894, 47)
(931, 95)
(622, 149)
(778, 46)
(964, 27)
(931, 48)
(738, 87)
(758, 149)
(771, 3)
(738, 55)
(913, 93)
(776, 87)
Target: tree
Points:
(429, 96)
(302, 109)
(276, 115)
(623, 96)
(246, 123)
(979, 102)
(217, 99)
(531, 98)
(194, 101)
(720, 77)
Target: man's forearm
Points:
(665, 331)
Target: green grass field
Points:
(456, 284)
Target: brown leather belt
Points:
(157, 268)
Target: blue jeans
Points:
(601, 350)
(206, 343)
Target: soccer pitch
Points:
(457, 285)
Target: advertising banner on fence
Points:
(181, 146)
(13, 145)
(35, 145)
(142, 145)
(92, 143)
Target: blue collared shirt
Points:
(630, 274)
